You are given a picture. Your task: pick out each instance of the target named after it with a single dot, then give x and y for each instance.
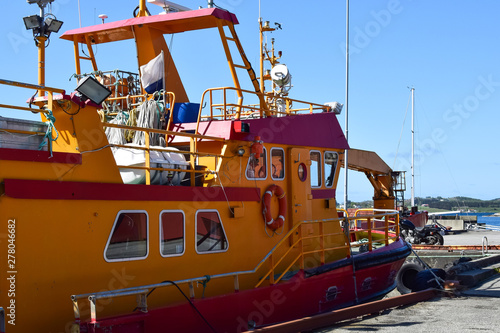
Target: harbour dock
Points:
(470, 310)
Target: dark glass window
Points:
(171, 233)
(277, 163)
(315, 168)
(257, 168)
(331, 159)
(210, 235)
(129, 238)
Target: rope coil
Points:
(48, 139)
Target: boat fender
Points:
(266, 207)
(406, 277)
(427, 279)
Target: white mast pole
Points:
(412, 147)
(346, 101)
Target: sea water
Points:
(493, 221)
(490, 222)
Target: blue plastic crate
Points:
(186, 112)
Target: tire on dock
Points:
(405, 280)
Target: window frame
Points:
(196, 232)
(320, 169)
(283, 164)
(267, 162)
(160, 228)
(113, 230)
(335, 169)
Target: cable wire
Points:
(187, 298)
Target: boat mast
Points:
(346, 102)
(142, 9)
(412, 147)
(42, 26)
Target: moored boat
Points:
(222, 213)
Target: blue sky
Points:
(447, 50)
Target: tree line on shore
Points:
(455, 203)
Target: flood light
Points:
(53, 25)
(33, 22)
(91, 89)
(41, 28)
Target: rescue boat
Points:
(134, 211)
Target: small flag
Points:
(152, 74)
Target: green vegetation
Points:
(460, 203)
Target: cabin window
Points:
(315, 168)
(277, 164)
(257, 168)
(331, 159)
(129, 237)
(210, 235)
(172, 233)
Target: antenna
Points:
(103, 17)
(79, 14)
(169, 6)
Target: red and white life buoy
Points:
(266, 207)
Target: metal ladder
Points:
(246, 65)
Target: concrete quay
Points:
(473, 238)
(471, 309)
(472, 245)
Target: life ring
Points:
(266, 207)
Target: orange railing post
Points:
(386, 230)
(322, 242)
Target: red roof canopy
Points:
(167, 23)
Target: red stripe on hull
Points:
(296, 298)
(9, 154)
(53, 190)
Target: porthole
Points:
(302, 172)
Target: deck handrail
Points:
(49, 90)
(46, 112)
(193, 152)
(31, 86)
(240, 109)
(321, 235)
(144, 290)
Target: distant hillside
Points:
(440, 203)
(459, 203)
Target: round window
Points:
(302, 172)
